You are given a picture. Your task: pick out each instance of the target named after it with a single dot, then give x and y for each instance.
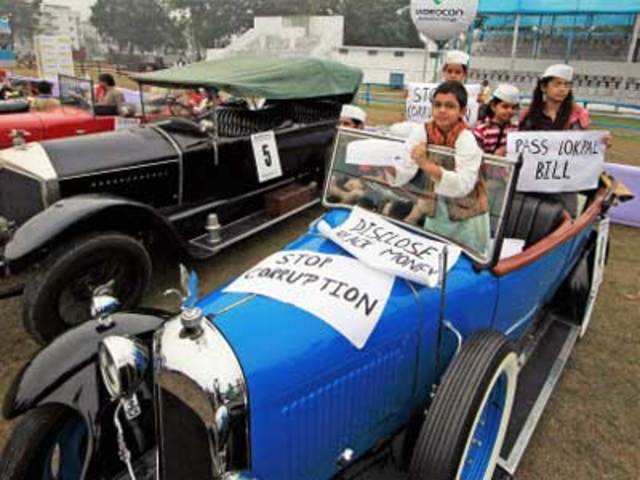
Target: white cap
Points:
(507, 93)
(353, 112)
(456, 57)
(559, 70)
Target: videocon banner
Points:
(441, 20)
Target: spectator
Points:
(5, 86)
(112, 96)
(44, 101)
(353, 117)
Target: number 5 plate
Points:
(265, 151)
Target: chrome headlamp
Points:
(123, 363)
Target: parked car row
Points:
(315, 363)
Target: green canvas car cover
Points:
(270, 78)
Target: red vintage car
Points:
(76, 115)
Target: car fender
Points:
(83, 214)
(66, 373)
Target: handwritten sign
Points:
(341, 291)
(382, 245)
(374, 152)
(265, 151)
(567, 161)
(418, 107)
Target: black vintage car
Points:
(82, 212)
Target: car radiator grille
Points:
(183, 443)
(20, 196)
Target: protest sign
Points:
(386, 247)
(341, 291)
(554, 162)
(375, 152)
(418, 105)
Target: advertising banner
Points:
(54, 56)
(441, 20)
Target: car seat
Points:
(532, 217)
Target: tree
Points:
(211, 23)
(23, 17)
(136, 24)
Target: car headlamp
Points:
(123, 362)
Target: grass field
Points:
(590, 430)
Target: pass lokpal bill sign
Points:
(555, 162)
(442, 20)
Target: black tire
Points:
(27, 453)
(441, 450)
(57, 296)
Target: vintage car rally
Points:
(273, 240)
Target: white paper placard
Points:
(567, 161)
(265, 152)
(339, 290)
(382, 245)
(418, 107)
(374, 152)
(511, 247)
(124, 123)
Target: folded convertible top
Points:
(270, 78)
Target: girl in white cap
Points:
(492, 133)
(553, 107)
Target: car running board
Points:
(202, 247)
(538, 378)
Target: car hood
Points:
(298, 367)
(71, 157)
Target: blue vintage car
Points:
(450, 379)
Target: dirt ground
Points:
(590, 429)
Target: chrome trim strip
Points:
(118, 170)
(218, 203)
(510, 465)
(175, 145)
(201, 369)
(457, 334)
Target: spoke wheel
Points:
(49, 443)
(465, 426)
(58, 296)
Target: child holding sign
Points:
(452, 195)
(553, 108)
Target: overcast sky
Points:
(83, 6)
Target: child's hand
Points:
(419, 153)
(501, 152)
(608, 140)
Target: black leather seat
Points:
(532, 217)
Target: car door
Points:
(29, 123)
(70, 122)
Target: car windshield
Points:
(76, 92)
(362, 174)
(162, 102)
